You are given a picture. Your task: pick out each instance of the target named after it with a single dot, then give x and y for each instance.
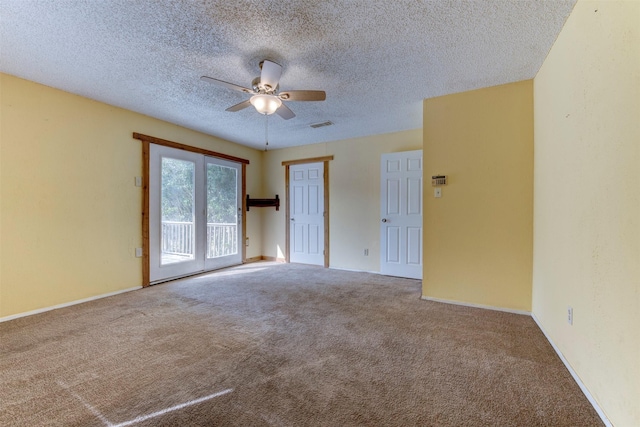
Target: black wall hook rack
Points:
(263, 203)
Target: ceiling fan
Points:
(264, 90)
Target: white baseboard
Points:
(66, 304)
(486, 307)
(575, 376)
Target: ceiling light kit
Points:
(265, 104)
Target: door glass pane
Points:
(222, 211)
(178, 211)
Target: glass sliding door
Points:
(177, 210)
(175, 228)
(224, 213)
(195, 205)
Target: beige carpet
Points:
(282, 345)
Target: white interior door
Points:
(306, 210)
(401, 214)
(195, 208)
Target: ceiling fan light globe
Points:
(265, 104)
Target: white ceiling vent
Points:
(323, 124)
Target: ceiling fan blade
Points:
(225, 84)
(240, 106)
(270, 74)
(284, 112)
(303, 95)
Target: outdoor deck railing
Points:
(178, 238)
(222, 239)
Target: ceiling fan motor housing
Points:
(258, 87)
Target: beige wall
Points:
(587, 201)
(354, 189)
(478, 235)
(70, 217)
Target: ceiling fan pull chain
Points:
(266, 132)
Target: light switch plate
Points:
(437, 192)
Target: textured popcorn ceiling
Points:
(377, 60)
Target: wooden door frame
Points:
(325, 160)
(146, 141)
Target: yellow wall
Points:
(354, 195)
(478, 235)
(71, 216)
(587, 201)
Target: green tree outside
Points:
(178, 184)
(221, 194)
(178, 199)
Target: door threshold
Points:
(194, 274)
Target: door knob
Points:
(293, 219)
(385, 220)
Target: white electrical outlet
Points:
(570, 315)
(138, 252)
